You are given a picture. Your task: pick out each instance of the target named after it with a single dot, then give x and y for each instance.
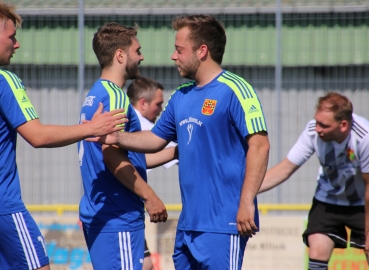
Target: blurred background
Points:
(291, 52)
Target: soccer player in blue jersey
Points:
(21, 243)
(340, 139)
(114, 180)
(218, 122)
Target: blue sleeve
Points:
(165, 127)
(247, 115)
(134, 122)
(15, 106)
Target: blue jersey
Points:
(107, 205)
(15, 110)
(210, 124)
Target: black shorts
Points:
(147, 251)
(332, 221)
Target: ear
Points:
(202, 51)
(344, 126)
(142, 103)
(120, 56)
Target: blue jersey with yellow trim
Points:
(15, 110)
(107, 205)
(210, 124)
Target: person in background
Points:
(340, 140)
(146, 97)
(21, 242)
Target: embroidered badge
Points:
(350, 154)
(208, 107)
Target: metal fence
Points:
(324, 46)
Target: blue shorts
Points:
(21, 243)
(116, 250)
(202, 250)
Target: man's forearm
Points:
(121, 167)
(142, 141)
(161, 157)
(256, 166)
(119, 164)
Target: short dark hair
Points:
(143, 87)
(204, 29)
(109, 38)
(340, 105)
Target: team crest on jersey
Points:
(350, 154)
(208, 107)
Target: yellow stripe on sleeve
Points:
(254, 117)
(118, 99)
(20, 95)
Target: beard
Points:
(132, 70)
(189, 70)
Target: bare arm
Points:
(162, 157)
(366, 181)
(39, 135)
(119, 164)
(278, 174)
(141, 141)
(256, 162)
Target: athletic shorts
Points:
(116, 250)
(332, 221)
(146, 250)
(21, 243)
(202, 250)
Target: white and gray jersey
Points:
(341, 164)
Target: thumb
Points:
(100, 108)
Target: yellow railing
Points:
(263, 208)
(58, 208)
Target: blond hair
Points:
(7, 12)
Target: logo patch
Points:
(208, 107)
(253, 109)
(350, 154)
(24, 99)
(189, 129)
(88, 101)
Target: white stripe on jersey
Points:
(26, 241)
(234, 252)
(125, 250)
(121, 250)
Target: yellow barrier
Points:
(58, 208)
(263, 208)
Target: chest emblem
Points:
(350, 154)
(208, 107)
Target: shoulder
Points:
(310, 128)
(185, 87)
(237, 84)
(106, 86)
(360, 128)
(180, 90)
(145, 124)
(4, 74)
(10, 79)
